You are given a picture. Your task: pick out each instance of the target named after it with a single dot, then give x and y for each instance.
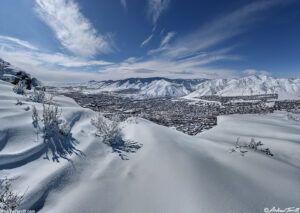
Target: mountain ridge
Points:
(286, 88)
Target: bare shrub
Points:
(51, 119)
(294, 114)
(9, 200)
(56, 133)
(252, 145)
(35, 117)
(38, 96)
(20, 88)
(293, 117)
(110, 131)
(65, 129)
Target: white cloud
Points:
(7, 39)
(221, 29)
(48, 66)
(72, 29)
(255, 72)
(191, 68)
(68, 61)
(185, 57)
(147, 40)
(124, 3)
(156, 8)
(61, 67)
(167, 38)
(163, 44)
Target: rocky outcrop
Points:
(13, 75)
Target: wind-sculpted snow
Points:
(178, 173)
(171, 172)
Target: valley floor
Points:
(172, 172)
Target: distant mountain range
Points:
(252, 85)
(146, 87)
(191, 88)
(164, 87)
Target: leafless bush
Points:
(52, 122)
(51, 119)
(65, 129)
(38, 96)
(20, 88)
(294, 114)
(110, 131)
(252, 145)
(293, 117)
(9, 200)
(35, 116)
(56, 133)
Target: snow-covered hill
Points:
(172, 172)
(13, 75)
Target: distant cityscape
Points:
(188, 116)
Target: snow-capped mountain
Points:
(164, 87)
(145, 87)
(252, 85)
(191, 88)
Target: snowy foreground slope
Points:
(172, 172)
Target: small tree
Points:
(9, 200)
(20, 88)
(110, 131)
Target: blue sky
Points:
(80, 40)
